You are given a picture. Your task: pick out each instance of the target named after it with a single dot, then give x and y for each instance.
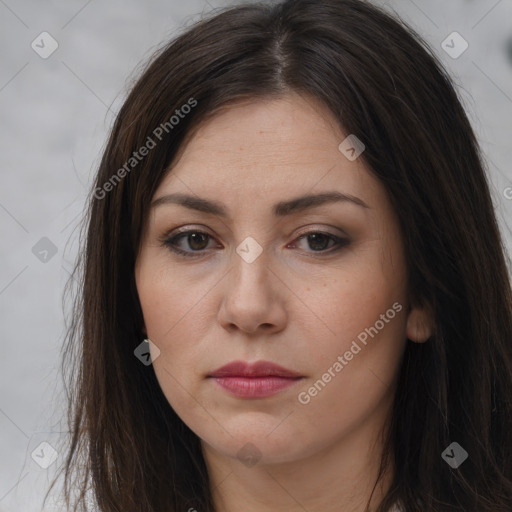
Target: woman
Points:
(292, 223)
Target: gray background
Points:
(55, 115)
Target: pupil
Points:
(315, 241)
(193, 239)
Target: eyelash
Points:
(170, 242)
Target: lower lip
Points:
(255, 387)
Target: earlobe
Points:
(419, 325)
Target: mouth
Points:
(257, 380)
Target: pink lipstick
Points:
(257, 380)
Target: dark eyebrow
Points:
(281, 209)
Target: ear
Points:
(144, 331)
(420, 324)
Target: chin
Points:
(254, 444)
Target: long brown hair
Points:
(128, 450)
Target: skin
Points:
(293, 305)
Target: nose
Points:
(253, 298)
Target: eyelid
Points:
(319, 229)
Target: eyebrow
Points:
(281, 209)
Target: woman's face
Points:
(315, 286)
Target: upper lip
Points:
(257, 369)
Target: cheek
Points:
(353, 299)
(365, 325)
(178, 315)
(169, 308)
(354, 373)
(169, 316)
(364, 309)
(168, 297)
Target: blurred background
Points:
(66, 68)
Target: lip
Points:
(256, 380)
(257, 369)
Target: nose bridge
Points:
(252, 258)
(250, 266)
(250, 297)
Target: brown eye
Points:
(319, 242)
(188, 242)
(197, 241)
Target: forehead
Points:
(269, 150)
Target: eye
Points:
(197, 241)
(319, 241)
